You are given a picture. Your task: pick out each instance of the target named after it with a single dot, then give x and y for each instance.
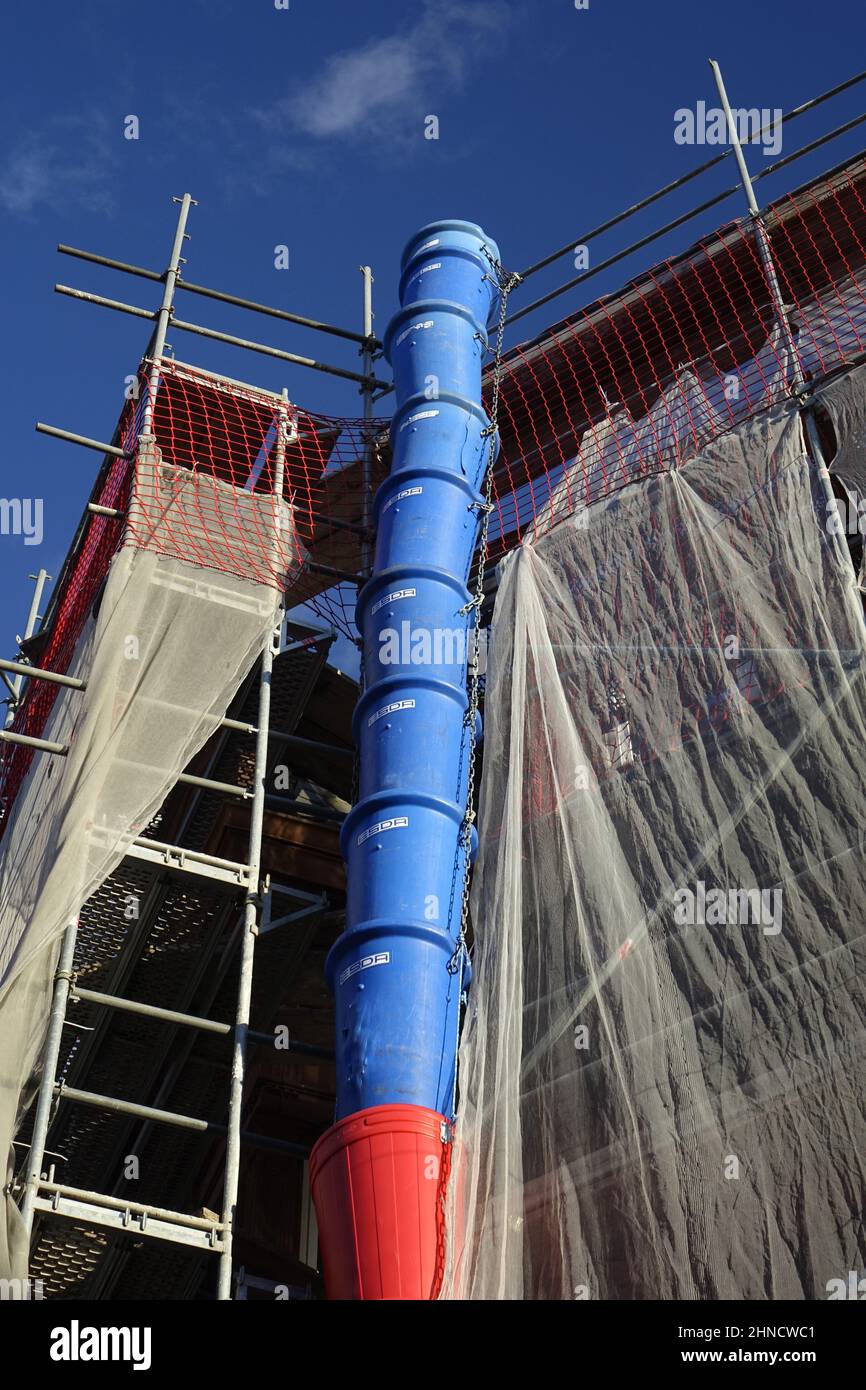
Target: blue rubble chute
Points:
(392, 972)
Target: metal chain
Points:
(506, 280)
(447, 1137)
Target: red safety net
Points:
(638, 382)
(226, 433)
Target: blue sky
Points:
(305, 127)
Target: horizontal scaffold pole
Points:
(199, 329)
(83, 440)
(105, 303)
(283, 314)
(356, 527)
(678, 183)
(112, 264)
(144, 274)
(27, 741)
(204, 1025)
(181, 1218)
(20, 668)
(171, 1117)
(99, 510)
(310, 745)
(268, 351)
(294, 740)
(208, 784)
(132, 1006)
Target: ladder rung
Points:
(171, 1117)
(191, 780)
(135, 1218)
(226, 788)
(190, 862)
(207, 1025)
(133, 1006)
(131, 1107)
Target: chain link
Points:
(506, 281)
(445, 1156)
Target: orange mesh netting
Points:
(638, 382)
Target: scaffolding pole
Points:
(780, 310)
(252, 909)
(166, 309)
(32, 619)
(209, 293)
(50, 1056)
(181, 326)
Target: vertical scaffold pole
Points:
(766, 253)
(157, 342)
(30, 628)
(50, 1057)
(252, 904)
(763, 240)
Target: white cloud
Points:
(374, 89)
(357, 86)
(69, 160)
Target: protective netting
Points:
(662, 1078)
(844, 400)
(640, 381)
(236, 434)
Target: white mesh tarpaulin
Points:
(663, 1064)
(161, 659)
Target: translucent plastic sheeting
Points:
(662, 1077)
(845, 402)
(161, 659)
